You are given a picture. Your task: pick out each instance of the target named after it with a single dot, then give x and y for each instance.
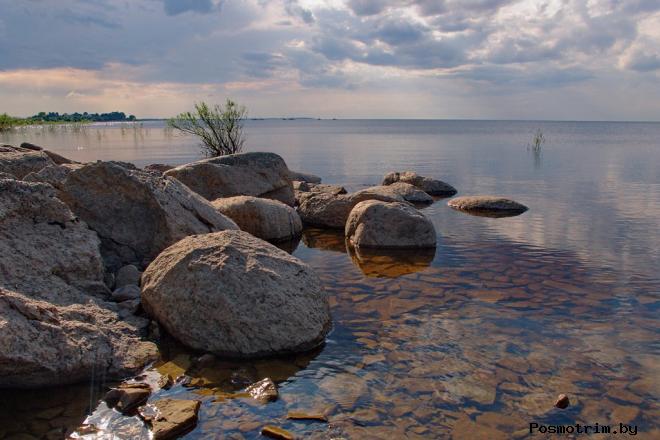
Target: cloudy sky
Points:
(488, 59)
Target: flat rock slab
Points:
(498, 206)
(171, 418)
(276, 433)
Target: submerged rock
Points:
(20, 162)
(170, 418)
(250, 174)
(304, 177)
(373, 223)
(487, 204)
(141, 215)
(266, 219)
(276, 433)
(562, 401)
(249, 298)
(331, 211)
(264, 391)
(430, 186)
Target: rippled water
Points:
(475, 340)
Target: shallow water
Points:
(475, 340)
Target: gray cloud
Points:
(175, 7)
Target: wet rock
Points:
(128, 275)
(171, 418)
(266, 219)
(331, 211)
(250, 299)
(126, 398)
(304, 177)
(264, 391)
(165, 382)
(247, 174)
(142, 215)
(430, 186)
(20, 162)
(158, 168)
(562, 401)
(277, 433)
(373, 223)
(487, 204)
(299, 415)
(205, 360)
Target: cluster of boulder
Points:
(93, 255)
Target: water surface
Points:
(474, 340)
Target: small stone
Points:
(296, 415)
(127, 397)
(264, 391)
(562, 401)
(165, 382)
(126, 293)
(128, 275)
(169, 418)
(128, 307)
(275, 432)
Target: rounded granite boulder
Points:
(374, 223)
(234, 295)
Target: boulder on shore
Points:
(304, 177)
(20, 162)
(498, 206)
(135, 213)
(326, 210)
(159, 168)
(43, 344)
(374, 223)
(249, 298)
(269, 220)
(55, 326)
(430, 186)
(247, 174)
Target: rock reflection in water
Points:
(391, 263)
(325, 239)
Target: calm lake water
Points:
(475, 340)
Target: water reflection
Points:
(326, 239)
(391, 263)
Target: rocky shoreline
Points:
(97, 258)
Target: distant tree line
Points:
(80, 117)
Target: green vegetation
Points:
(220, 129)
(80, 117)
(10, 122)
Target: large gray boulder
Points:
(250, 174)
(19, 161)
(374, 223)
(269, 220)
(135, 213)
(430, 186)
(55, 325)
(327, 210)
(44, 344)
(247, 297)
(487, 205)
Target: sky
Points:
(464, 59)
